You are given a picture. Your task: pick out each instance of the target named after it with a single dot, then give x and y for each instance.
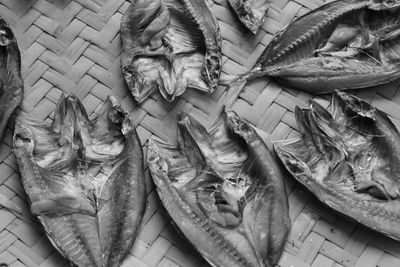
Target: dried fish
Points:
(11, 84)
(251, 12)
(11, 88)
(85, 180)
(169, 45)
(350, 159)
(224, 190)
(345, 44)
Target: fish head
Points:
(355, 113)
(296, 153)
(311, 156)
(251, 13)
(236, 123)
(293, 161)
(354, 104)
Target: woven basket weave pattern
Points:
(74, 47)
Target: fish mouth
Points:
(214, 187)
(168, 47)
(353, 47)
(75, 170)
(348, 159)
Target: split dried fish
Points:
(170, 45)
(350, 159)
(345, 44)
(251, 12)
(224, 190)
(84, 178)
(11, 84)
(11, 88)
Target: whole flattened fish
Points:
(84, 178)
(224, 191)
(11, 84)
(344, 44)
(251, 12)
(349, 159)
(170, 45)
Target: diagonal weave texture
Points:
(74, 47)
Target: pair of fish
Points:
(84, 179)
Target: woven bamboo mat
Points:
(74, 46)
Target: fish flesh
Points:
(224, 190)
(251, 13)
(11, 84)
(84, 178)
(170, 45)
(347, 44)
(349, 159)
